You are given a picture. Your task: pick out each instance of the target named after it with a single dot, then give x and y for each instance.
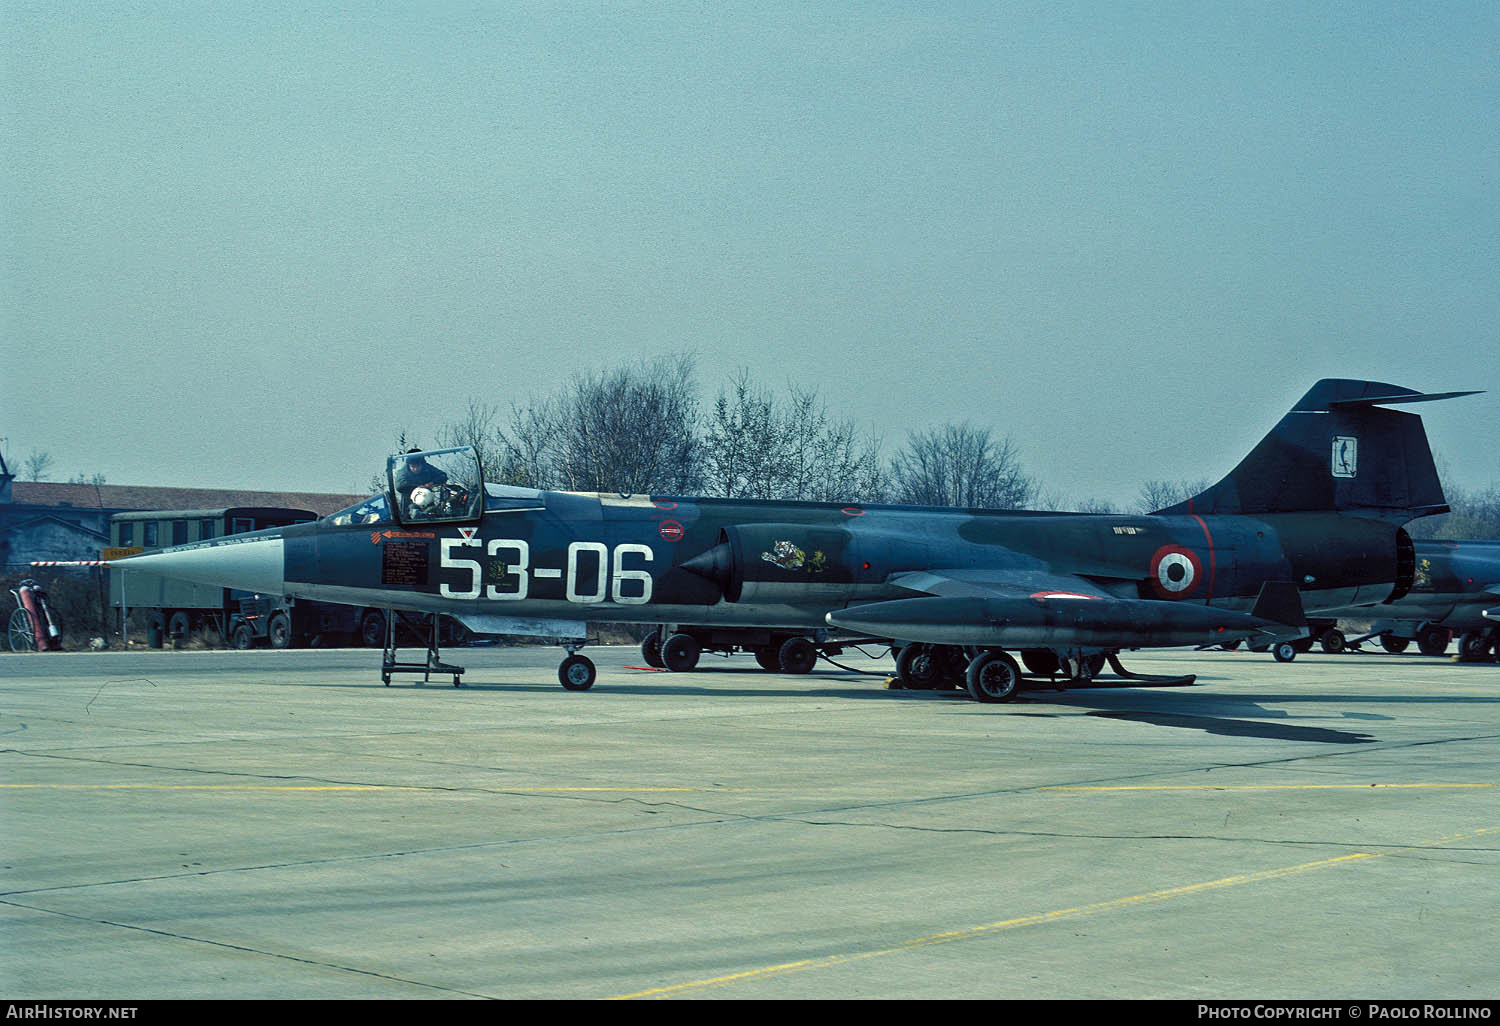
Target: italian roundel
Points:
(1175, 571)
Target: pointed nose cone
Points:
(715, 565)
(252, 563)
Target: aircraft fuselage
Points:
(570, 556)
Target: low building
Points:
(42, 520)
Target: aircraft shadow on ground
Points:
(840, 689)
(1270, 730)
(1178, 706)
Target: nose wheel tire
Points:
(576, 673)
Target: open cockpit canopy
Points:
(439, 486)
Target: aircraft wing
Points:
(1032, 608)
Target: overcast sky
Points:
(246, 243)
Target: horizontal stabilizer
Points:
(1392, 400)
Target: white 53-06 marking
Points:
(609, 581)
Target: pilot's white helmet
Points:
(421, 497)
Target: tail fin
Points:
(1337, 450)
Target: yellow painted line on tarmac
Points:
(1058, 915)
(1266, 787)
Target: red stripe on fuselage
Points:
(1208, 537)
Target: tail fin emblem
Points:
(1345, 456)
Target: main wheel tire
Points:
(1433, 641)
(1333, 641)
(768, 658)
(279, 631)
(918, 668)
(680, 652)
(993, 677)
(651, 650)
(1285, 651)
(797, 655)
(576, 673)
(242, 637)
(1391, 643)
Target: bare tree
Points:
(960, 465)
(37, 466)
(525, 452)
(742, 452)
(1475, 517)
(478, 428)
(1157, 495)
(630, 429)
(829, 460)
(762, 446)
(1051, 500)
(95, 480)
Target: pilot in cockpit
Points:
(418, 483)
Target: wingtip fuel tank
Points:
(1048, 620)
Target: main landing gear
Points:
(994, 675)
